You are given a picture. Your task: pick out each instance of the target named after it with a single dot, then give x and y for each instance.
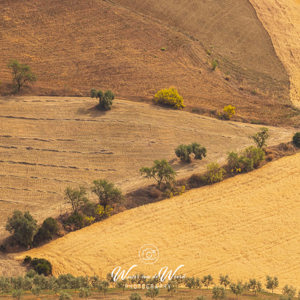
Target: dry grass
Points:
(50, 143)
(246, 226)
(281, 19)
(77, 45)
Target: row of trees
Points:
(37, 284)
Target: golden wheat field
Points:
(49, 143)
(246, 226)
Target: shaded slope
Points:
(247, 226)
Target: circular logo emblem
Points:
(149, 254)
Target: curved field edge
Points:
(247, 226)
(281, 20)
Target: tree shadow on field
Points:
(92, 111)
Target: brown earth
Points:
(78, 45)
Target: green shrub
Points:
(107, 193)
(105, 99)
(23, 227)
(207, 280)
(76, 220)
(41, 266)
(169, 97)
(17, 294)
(218, 292)
(296, 139)
(22, 75)
(161, 171)
(248, 160)
(214, 173)
(135, 296)
(261, 137)
(76, 197)
(184, 152)
(46, 232)
(152, 293)
(84, 293)
(27, 260)
(65, 296)
(214, 64)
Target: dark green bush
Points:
(46, 232)
(23, 227)
(248, 160)
(184, 152)
(27, 260)
(105, 99)
(76, 220)
(296, 139)
(41, 266)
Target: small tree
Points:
(152, 293)
(261, 137)
(76, 197)
(17, 294)
(214, 173)
(237, 288)
(207, 280)
(189, 282)
(21, 74)
(105, 99)
(296, 139)
(65, 296)
(254, 286)
(161, 171)
(135, 296)
(224, 280)
(218, 293)
(272, 283)
(23, 227)
(46, 232)
(103, 286)
(84, 293)
(172, 287)
(106, 192)
(184, 152)
(289, 291)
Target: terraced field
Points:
(246, 226)
(48, 143)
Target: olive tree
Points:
(161, 171)
(23, 227)
(21, 74)
(106, 192)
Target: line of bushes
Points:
(64, 284)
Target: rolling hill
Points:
(49, 143)
(136, 48)
(246, 226)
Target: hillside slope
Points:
(247, 226)
(77, 45)
(49, 143)
(281, 19)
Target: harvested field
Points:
(246, 226)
